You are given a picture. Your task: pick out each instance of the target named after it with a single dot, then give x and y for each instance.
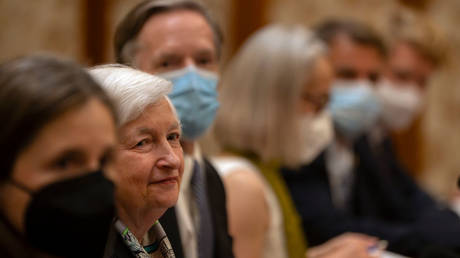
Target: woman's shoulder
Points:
(226, 165)
(238, 172)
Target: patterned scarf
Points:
(158, 247)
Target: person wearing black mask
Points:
(57, 138)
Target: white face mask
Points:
(317, 134)
(401, 104)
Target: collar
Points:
(188, 165)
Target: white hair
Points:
(131, 90)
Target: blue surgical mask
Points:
(194, 96)
(354, 106)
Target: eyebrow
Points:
(109, 152)
(70, 152)
(147, 130)
(168, 55)
(175, 125)
(144, 130)
(205, 51)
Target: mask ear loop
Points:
(21, 186)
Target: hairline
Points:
(129, 49)
(112, 78)
(357, 32)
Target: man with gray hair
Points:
(179, 41)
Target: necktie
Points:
(205, 231)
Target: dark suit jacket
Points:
(12, 244)
(217, 204)
(385, 202)
(120, 250)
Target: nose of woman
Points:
(169, 157)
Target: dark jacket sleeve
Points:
(321, 220)
(433, 223)
(116, 246)
(385, 203)
(218, 203)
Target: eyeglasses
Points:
(319, 101)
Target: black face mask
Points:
(71, 218)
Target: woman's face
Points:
(76, 142)
(315, 93)
(150, 160)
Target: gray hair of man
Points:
(131, 90)
(260, 93)
(128, 29)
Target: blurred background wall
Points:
(83, 29)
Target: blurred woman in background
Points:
(272, 113)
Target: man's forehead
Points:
(342, 41)
(404, 54)
(345, 52)
(175, 22)
(176, 30)
(342, 45)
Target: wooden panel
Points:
(94, 26)
(416, 4)
(247, 17)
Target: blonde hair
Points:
(260, 90)
(418, 31)
(131, 90)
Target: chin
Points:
(164, 196)
(167, 202)
(164, 199)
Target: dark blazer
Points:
(385, 202)
(12, 244)
(120, 250)
(217, 204)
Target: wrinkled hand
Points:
(348, 245)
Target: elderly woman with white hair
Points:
(149, 160)
(272, 113)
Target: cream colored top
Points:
(274, 244)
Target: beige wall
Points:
(40, 25)
(443, 114)
(30, 26)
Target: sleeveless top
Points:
(275, 242)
